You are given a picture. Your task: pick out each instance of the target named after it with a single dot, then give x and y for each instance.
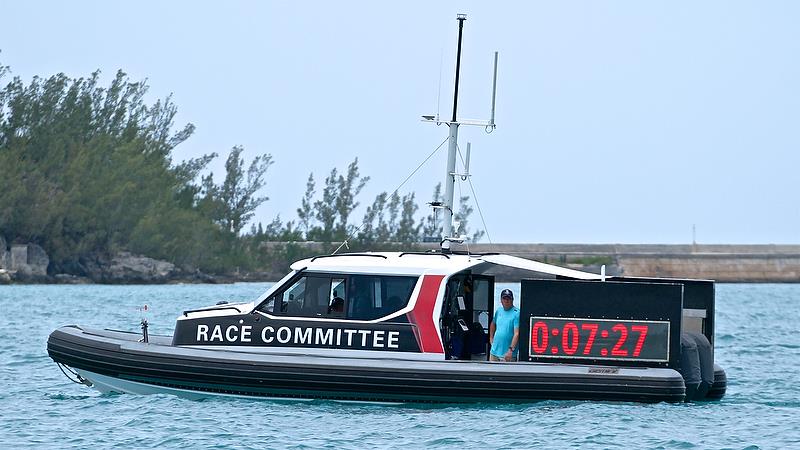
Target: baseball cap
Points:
(507, 294)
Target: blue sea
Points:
(757, 344)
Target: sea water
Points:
(757, 343)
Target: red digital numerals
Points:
(598, 338)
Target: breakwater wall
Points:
(722, 263)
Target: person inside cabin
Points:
(504, 329)
(337, 304)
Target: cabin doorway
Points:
(466, 313)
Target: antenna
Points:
(439, 93)
(460, 18)
(466, 163)
(450, 175)
(494, 95)
(465, 160)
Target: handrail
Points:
(349, 254)
(187, 312)
(459, 252)
(424, 254)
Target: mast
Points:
(450, 177)
(447, 203)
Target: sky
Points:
(617, 121)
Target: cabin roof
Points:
(389, 263)
(427, 263)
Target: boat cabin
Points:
(413, 305)
(438, 306)
(432, 306)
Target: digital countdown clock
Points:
(584, 338)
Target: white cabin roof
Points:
(396, 263)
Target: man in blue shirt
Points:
(504, 330)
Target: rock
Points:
(121, 268)
(126, 267)
(5, 257)
(65, 278)
(92, 267)
(37, 260)
(29, 261)
(5, 277)
(200, 277)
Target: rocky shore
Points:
(29, 263)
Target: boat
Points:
(397, 327)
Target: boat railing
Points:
(187, 312)
(425, 254)
(374, 255)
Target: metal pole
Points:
(494, 91)
(461, 18)
(449, 185)
(449, 181)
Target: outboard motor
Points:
(690, 366)
(697, 365)
(704, 352)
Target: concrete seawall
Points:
(723, 263)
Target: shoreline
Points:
(767, 263)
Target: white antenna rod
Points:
(466, 163)
(439, 93)
(494, 91)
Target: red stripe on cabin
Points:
(422, 315)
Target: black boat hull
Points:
(116, 361)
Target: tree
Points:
(186, 173)
(305, 212)
(348, 189)
(407, 230)
(81, 165)
(390, 219)
(238, 192)
(325, 210)
(338, 201)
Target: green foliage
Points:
(238, 193)
(328, 220)
(305, 213)
(82, 164)
(87, 170)
(390, 219)
(233, 203)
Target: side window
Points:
(313, 296)
(372, 297)
(359, 297)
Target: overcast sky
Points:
(617, 121)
